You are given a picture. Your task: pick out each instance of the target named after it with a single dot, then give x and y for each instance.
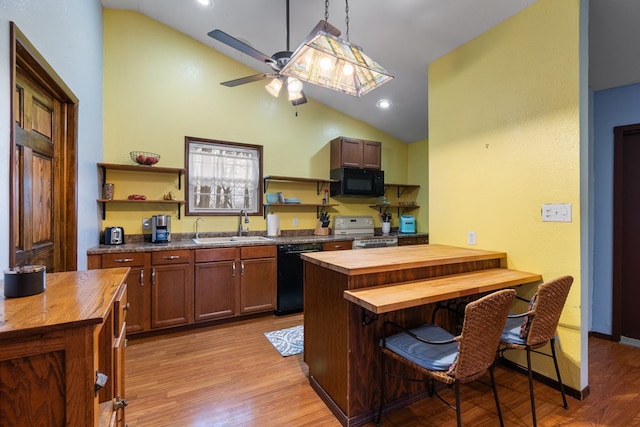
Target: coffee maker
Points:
(160, 228)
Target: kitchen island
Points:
(54, 344)
(341, 335)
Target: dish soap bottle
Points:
(325, 199)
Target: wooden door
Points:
(43, 222)
(626, 233)
(33, 174)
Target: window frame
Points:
(255, 194)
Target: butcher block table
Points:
(349, 294)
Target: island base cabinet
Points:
(48, 372)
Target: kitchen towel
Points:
(273, 225)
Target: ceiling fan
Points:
(276, 62)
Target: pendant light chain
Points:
(346, 19)
(326, 13)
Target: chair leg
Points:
(533, 401)
(458, 414)
(555, 362)
(495, 395)
(383, 374)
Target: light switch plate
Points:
(556, 212)
(146, 224)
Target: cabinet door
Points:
(258, 285)
(371, 155)
(171, 295)
(118, 377)
(139, 298)
(346, 152)
(215, 290)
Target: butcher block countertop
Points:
(378, 260)
(72, 298)
(398, 296)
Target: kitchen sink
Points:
(231, 239)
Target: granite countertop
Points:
(184, 241)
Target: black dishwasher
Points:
(290, 295)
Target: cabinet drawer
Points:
(171, 257)
(222, 254)
(123, 259)
(249, 252)
(120, 310)
(337, 246)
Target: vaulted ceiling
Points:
(403, 36)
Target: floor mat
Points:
(287, 341)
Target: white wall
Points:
(68, 33)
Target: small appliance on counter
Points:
(113, 236)
(407, 224)
(161, 229)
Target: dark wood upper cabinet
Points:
(355, 153)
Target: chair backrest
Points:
(484, 320)
(550, 300)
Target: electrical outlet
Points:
(471, 237)
(295, 221)
(146, 224)
(556, 212)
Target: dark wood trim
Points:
(600, 335)
(24, 56)
(619, 133)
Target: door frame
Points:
(25, 56)
(619, 134)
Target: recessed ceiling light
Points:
(383, 104)
(206, 3)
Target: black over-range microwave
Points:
(357, 182)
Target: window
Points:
(223, 178)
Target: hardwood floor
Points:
(230, 375)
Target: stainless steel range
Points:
(363, 230)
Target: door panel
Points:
(626, 263)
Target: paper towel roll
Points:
(273, 225)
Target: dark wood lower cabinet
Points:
(170, 288)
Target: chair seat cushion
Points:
(434, 357)
(511, 331)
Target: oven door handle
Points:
(301, 252)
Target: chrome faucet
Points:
(241, 229)
(198, 220)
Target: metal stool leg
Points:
(555, 362)
(533, 400)
(495, 395)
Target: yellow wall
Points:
(504, 138)
(160, 86)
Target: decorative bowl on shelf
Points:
(145, 158)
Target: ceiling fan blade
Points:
(233, 42)
(248, 79)
(300, 101)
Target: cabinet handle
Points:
(119, 403)
(142, 277)
(242, 268)
(153, 276)
(233, 269)
(124, 260)
(171, 257)
(127, 306)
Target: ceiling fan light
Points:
(294, 85)
(273, 87)
(326, 63)
(294, 96)
(306, 64)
